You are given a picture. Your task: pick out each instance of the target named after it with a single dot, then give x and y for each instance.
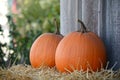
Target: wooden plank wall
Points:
(100, 16)
(111, 30)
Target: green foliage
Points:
(38, 14)
(2, 63)
(34, 18)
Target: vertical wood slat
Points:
(100, 13)
(79, 12)
(68, 15)
(90, 14)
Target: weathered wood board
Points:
(69, 15)
(111, 30)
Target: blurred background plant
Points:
(26, 23)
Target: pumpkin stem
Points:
(83, 28)
(57, 28)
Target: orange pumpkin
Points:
(43, 49)
(80, 50)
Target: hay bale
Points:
(26, 72)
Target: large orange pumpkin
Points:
(80, 50)
(43, 49)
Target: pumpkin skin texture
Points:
(42, 52)
(80, 50)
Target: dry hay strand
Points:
(26, 72)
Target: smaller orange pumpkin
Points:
(43, 49)
(80, 50)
